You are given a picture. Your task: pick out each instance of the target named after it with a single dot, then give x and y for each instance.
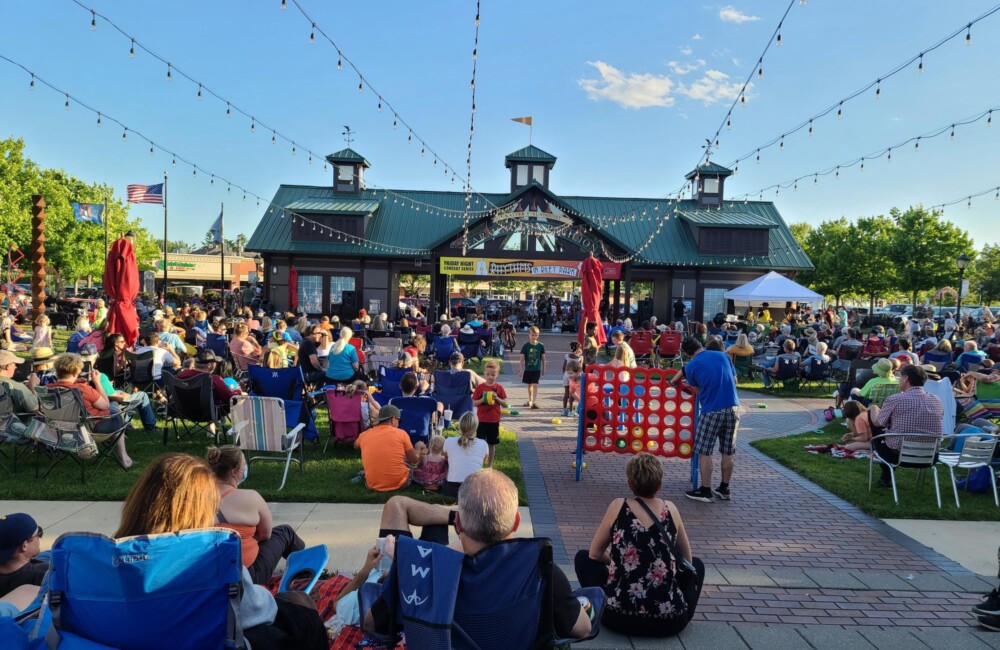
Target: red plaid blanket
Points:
(324, 594)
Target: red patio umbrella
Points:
(591, 286)
(293, 289)
(121, 283)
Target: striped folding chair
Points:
(259, 426)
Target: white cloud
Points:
(687, 50)
(629, 91)
(696, 37)
(731, 14)
(679, 67)
(714, 86)
(737, 62)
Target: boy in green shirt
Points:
(532, 365)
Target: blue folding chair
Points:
(218, 343)
(289, 385)
(454, 390)
(155, 592)
(444, 347)
(470, 345)
(498, 598)
(415, 416)
(307, 562)
(389, 379)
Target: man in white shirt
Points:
(162, 354)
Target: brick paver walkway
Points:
(784, 555)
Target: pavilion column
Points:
(627, 276)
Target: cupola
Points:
(707, 181)
(529, 164)
(348, 170)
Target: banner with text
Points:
(494, 267)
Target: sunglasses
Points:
(37, 534)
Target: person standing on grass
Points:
(489, 398)
(532, 365)
(712, 377)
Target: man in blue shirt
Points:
(713, 378)
(971, 355)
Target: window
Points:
(714, 303)
(539, 174)
(311, 293)
(710, 186)
(522, 175)
(345, 173)
(338, 285)
(733, 241)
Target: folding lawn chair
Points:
(454, 391)
(152, 592)
(346, 421)
(389, 379)
(880, 392)
(140, 374)
(444, 346)
(13, 425)
(66, 430)
(669, 347)
(642, 345)
(416, 416)
(977, 452)
(191, 402)
(786, 374)
(916, 451)
(289, 385)
(986, 405)
(259, 426)
(496, 599)
(743, 369)
(817, 375)
(489, 345)
(385, 352)
(218, 343)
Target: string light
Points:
(93, 20)
(199, 92)
(131, 50)
(312, 35)
(169, 76)
(98, 120)
(878, 89)
(968, 34)
(253, 125)
(66, 106)
(968, 198)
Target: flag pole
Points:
(165, 238)
(222, 250)
(105, 228)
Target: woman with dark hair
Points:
(177, 492)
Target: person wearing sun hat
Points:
(883, 375)
(42, 359)
(21, 560)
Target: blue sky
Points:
(622, 93)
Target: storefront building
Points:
(343, 247)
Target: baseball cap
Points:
(88, 350)
(387, 412)
(15, 530)
(8, 357)
(207, 356)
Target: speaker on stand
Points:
(348, 306)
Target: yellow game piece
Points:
(556, 421)
(584, 466)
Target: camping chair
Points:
(879, 392)
(259, 425)
(642, 345)
(986, 405)
(818, 373)
(916, 451)
(389, 379)
(140, 374)
(743, 369)
(139, 592)
(359, 344)
(346, 421)
(848, 356)
(105, 363)
(218, 343)
(288, 385)
(385, 352)
(786, 374)
(977, 451)
(496, 599)
(191, 402)
(444, 346)
(454, 390)
(13, 426)
(67, 431)
(309, 562)
(489, 345)
(470, 345)
(669, 347)
(416, 416)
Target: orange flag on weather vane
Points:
(525, 120)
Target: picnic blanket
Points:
(837, 451)
(324, 594)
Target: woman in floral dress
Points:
(627, 559)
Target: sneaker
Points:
(534, 406)
(989, 622)
(701, 494)
(722, 493)
(990, 606)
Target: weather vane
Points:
(348, 135)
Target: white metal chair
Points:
(916, 451)
(976, 452)
(259, 426)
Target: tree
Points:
(923, 250)
(870, 269)
(826, 246)
(414, 284)
(984, 274)
(175, 246)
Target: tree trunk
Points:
(914, 301)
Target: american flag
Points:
(145, 193)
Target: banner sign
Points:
(495, 267)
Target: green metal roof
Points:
(329, 205)
(398, 222)
(709, 169)
(726, 219)
(347, 156)
(531, 153)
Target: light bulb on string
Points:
(131, 50)
(916, 145)
(274, 137)
(124, 135)
(194, 171)
(878, 89)
(310, 159)
(810, 127)
(862, 165)
(395, 121)
(837, 175)
(815, 179)
(952, 136)
(888, 157)
(93, 19)
(920, 64)
(199, 92)
(312, 35)
(173, 162)
(340, 63)
(760, 71)
(212, 181)
(968, 204)
(409, 138)
(758, 156)
(379, 104)
(360, 87)
(840, 111)
(98, 120)
(729, 122)
(253, 125)
(31, 86)
(989, 119)
(229, 111)
(421, 151)
(781, 144)
(743, 99)
(293, 149)
(169, 76)
(778, 40)
(968, 34)
(284, 4)
(66, 105)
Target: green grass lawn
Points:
(326, 478)
(848, 479)
(797, 390)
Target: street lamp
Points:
(962, 263)
(130, 235)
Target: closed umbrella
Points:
(293, 289)
(121, 283)
(591, 286)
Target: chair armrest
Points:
(291, 438)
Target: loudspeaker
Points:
(349, 304)
(644, 310)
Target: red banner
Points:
(612, 271)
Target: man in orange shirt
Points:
(385, 451)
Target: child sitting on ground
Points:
(575, 354)
(861, 426)
(43, 333)
(434, 469)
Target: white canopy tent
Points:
(773, 287)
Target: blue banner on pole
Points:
(89, 212)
